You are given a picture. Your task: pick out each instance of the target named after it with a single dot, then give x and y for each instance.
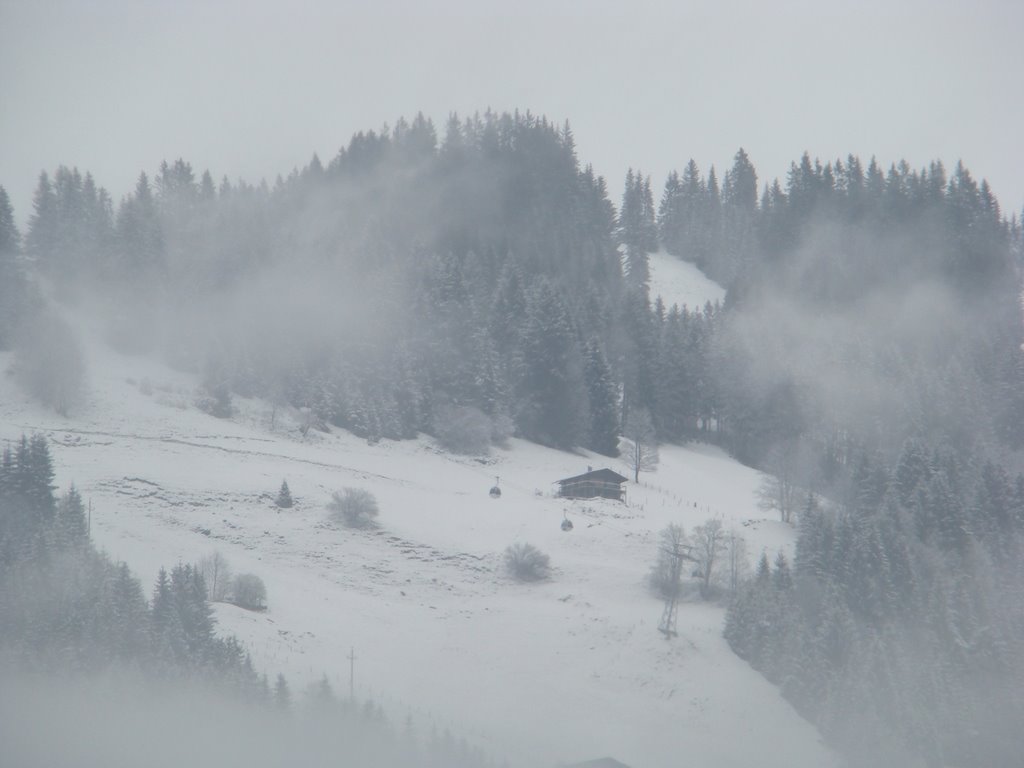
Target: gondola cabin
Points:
(598, 483)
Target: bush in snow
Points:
(353, 507)
(215, 399)
(250, 592)
(463, 429)
(526, 562)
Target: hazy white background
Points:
(252, 88)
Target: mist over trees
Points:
(65, 607)
(476, 282)
(92, 672)
(862, 302)
(902, 616)
(16, 298)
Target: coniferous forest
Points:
(868, 354)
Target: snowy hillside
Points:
(564, 670)
(680, 282)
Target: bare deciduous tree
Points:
(708, 544)
(638, 444)
(217, 575)
(786, 466)
(666, 571)
(354, 507)
(777, 492)
(736, 560)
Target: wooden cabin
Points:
(597, 483)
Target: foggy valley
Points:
(455, 444)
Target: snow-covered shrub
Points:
(353, 507)
(249, 592)
(526, 562)
(463, 429)
(215, 400)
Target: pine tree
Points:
(139, 236)
(739, 189)
(131, 624)
(782, 579)
(97, 230)
(711, 229)
(71, 521)
(550, 410)
(14, 289)
(284, 496)
(43, 236)
(669, 223)
(10, 238)
(188, 593)
(168, 633)
(603, 399)
(36, 467)
(637, 228)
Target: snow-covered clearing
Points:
(680, 282)
(557, 671)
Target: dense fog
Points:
(480, 284)
(121, 718)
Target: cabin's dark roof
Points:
(598, 475)
(601, 762)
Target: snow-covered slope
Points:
(680, 282)
(563, 670)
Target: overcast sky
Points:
(252, 89)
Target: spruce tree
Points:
(42, 240)
(140, 239)
(14, 289)
(603, 399)
(10, 238)
(131, 627)
(37, 468)
(188, 593)
(168, 633)
(284, 496)
(668, 221)
(71, 520)
(550, 408)
(638, 232)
